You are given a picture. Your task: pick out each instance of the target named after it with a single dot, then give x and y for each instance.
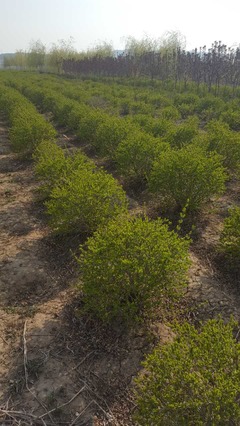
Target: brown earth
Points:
(60, 368)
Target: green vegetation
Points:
(195, 380)
(230, 236)
(53, 166)
(225, 142)
(130, 267)
(27, 127)
(135, 154)
(173, 143)
(84, 200)
(187, 176)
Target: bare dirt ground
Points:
(61, 368)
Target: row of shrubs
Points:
(127, 141)
(190, 171)
(27, 127)
(124, 99)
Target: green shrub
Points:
(140, 108)
(186, 99)
(110, 132)
(77, 113)
(53, 165)
(27, 127)
(225, 142)
(232, 118)
(230, 236)
(135, 155)
(186, 110)
(85, 200)
(182, 134)
(195, 380)
(89, 123)
(210, 107)
(159, 127)
(187, 176)
(170, 113)
(28, 130)
(129, 268)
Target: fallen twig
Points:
(82, 361)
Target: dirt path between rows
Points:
(33, 294)
(56, 367)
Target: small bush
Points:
(135, 155)
(187, 176)
(225, 142)
(230, 236)
(28, 130)
(130, 267)
(210, 107)
(110, 133)
(89, 123)
(195, 380)
(85, 200)
(232, 118)
(77, 114)
(170, 113)
(27, 127)
(182, 134)
(52, 165)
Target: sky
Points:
(91, 22)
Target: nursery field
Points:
(119, 244)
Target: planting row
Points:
(143, 158)
(27, 127)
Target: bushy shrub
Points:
(27, 127)
(158, 101)
(89, 123)
(170, 113)
(28, 130)
(186, 110)
(85, 200)
(130, 266)
(210, 107)
(110, 132)
(225, 142)
(230, 236)
(160, 127)
(53, 165)
(186, 99)
(77, 113)
(232, 118)
(135, 155)
(182, 134)
(188, 176)
(139, 107)
(195, 380)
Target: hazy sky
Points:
(91, 21)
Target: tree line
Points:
(165, 59)
(219, 65)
